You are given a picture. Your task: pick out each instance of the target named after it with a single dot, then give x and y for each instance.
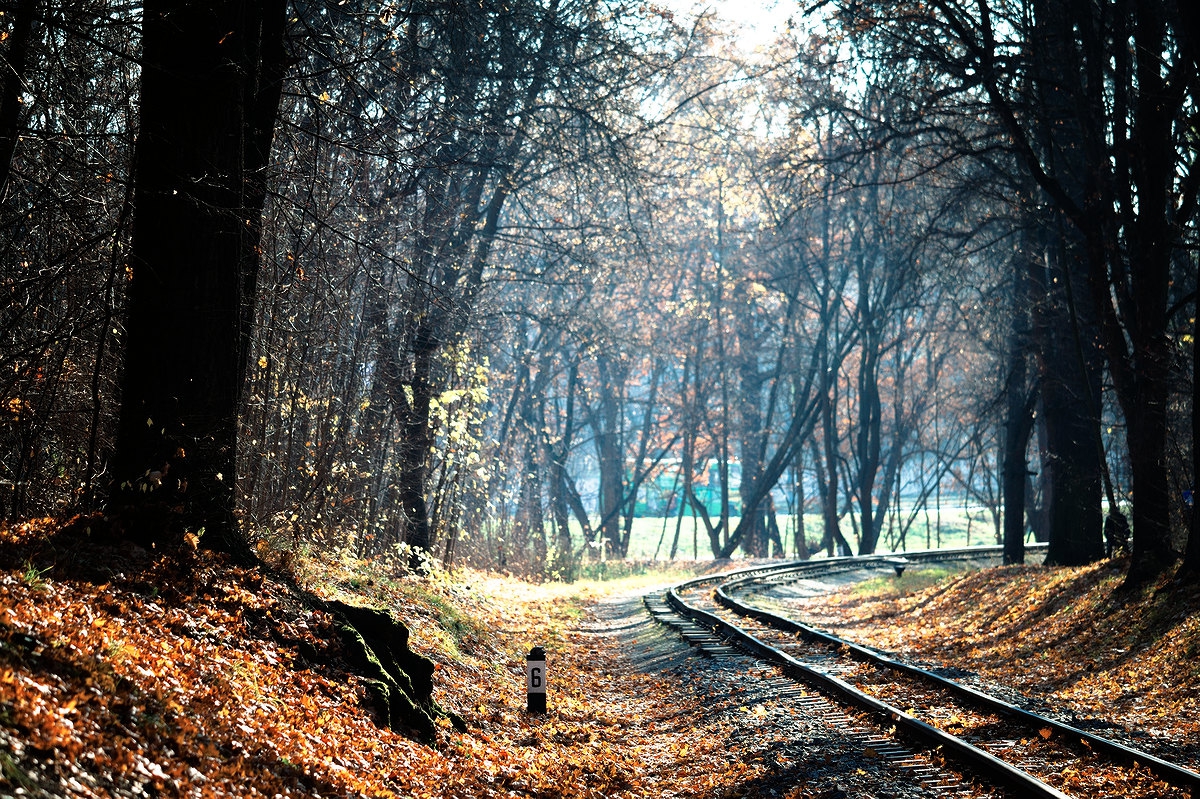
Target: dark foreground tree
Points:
(1189, 29)
(1121, 173)
(211, 82)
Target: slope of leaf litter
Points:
(126, 673)
(1065, 641)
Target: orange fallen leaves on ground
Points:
(215, 681)
(1070, 635)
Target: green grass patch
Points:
(915, 579)
(460, 627)
(631, 569)
(652, 536)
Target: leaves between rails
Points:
(215, 686)
(1068, 635)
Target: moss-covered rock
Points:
(400, 681)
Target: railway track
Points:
(911, 717)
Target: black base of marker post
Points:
(535, 679)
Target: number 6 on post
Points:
(535, 679)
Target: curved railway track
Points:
(910, 716)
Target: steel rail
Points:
(845, 563)
(1002, 772)
(989, 764)
(1168, 771)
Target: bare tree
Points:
(1032, 65)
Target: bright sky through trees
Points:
(758, 22)
(518, 272)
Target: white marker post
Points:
(535, 679)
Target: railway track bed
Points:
(950, 737)
(737, 707)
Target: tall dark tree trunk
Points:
(1191, 560)
(1189, 16)
(1018, 422)
(1142, 376)
(211, 82)
(1147, 434)
(1124, 185)
(799, 536)
(870, 429)
(1069, 383)
(607, 428)
(1076, 522)
(1065, 334)
(416, 439)
(831, 539)
(557, 454)
(17, 58)
(755, 539)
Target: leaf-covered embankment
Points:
(126, 672)
(1069, 636)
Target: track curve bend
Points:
(905, 700)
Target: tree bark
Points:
(1144, 392)
(607, 427)
(1191, 560)
(14, 78)
(1189, 16)
(557, 454)
(870, 428)
(1018, 423)
(799, 536)
(416, 438)
(755, 542)
(831, 539)
(211, 82)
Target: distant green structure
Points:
(661, 494)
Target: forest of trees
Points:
(465, 280)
